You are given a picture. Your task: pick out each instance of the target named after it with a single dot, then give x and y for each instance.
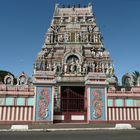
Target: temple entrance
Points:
(73, 104)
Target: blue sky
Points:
(23, 24)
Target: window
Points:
(129, 102)
(9, 101)
(1, 101)
(30, 101)
(119, 102)
(20, 101)
(110, 102)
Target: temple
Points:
(73, 78)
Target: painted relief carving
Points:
(43, 102)
(97, 104)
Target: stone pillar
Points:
(44, 103)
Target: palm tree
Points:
(135, 75)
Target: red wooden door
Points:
(72, 102)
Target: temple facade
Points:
(73, 78)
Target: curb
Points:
(26, 128)
(65, 129)
(86, 129)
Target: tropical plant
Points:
(135, 75)
(3, 73)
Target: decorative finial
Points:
(56, 5)
(90, 4)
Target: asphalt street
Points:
(73, 135)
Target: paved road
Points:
(73, 135)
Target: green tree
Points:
(3, 73)
(135, 75)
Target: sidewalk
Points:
(67, 126)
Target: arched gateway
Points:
(71, 70)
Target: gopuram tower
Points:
(72, 69)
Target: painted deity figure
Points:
(97, 54)
(37, 66)
(60, 38)
(103, 68)
(78, 37)
(47, 39)
(40, 65)
(9, 81)
(96, 38)
(93, 67)
(90, 29)
(78, 67)
(90, 67)
(72, 65)
(55, 30)
(82, 36)
(67, 37)
(47, 68)
(58, 68)
(85, 68)
(111, 70)
(50, 67)
(65, 68)
(62, 19)
(100, 67)
(54, 68)
(97, 67)
(90, 33)
(107, 70)
(85, 37)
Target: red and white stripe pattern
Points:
(123, 113)
(16, 113)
